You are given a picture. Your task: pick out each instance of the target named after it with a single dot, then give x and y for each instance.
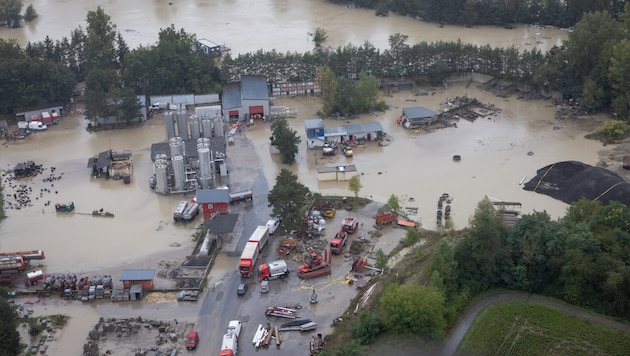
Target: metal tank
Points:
(206, 127)
(206, 168)
(177, 147)
(179, 173)
(193, 123)
(218, 127)
(160, 156)
(203, 142)
(161, 176)
(169, 123)
(182, 125)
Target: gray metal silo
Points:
(206, 127)
(169, 123)
(179, 173)
(218, 127)
(177, 147)
(206, 168)
(161, 176)
(193, 123)
(203, 142)
(182, 125)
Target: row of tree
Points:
(561, 13)
(592, 66)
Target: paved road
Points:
(458, 333)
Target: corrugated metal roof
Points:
(313, 124)
(254, 87)
(137, 275)
(217, 145)
(346, 168)
(208, 43)
(335, 131)
(418, 112)
(231, 96)
(213, 196)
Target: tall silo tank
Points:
(206, 127)
(193, 123)
(182, 125)
(177, 146)
(160, 156)
(218, 127)
(169, 123)
(205, 167)
(179, 173)
(203, 142)
(161, 176)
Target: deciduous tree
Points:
(354, 184)
(413, 309)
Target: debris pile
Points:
(160, 336)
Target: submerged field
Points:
(522, 328)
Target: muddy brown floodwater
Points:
(417, 167)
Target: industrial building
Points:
(248, 98)
(192, 156)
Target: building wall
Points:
(146, 285)
(210, 210)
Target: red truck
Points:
(386, 218)
(350, 225)
(257, 241)
(338, 242)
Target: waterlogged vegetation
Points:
(522, 328)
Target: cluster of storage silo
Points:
(183, 172)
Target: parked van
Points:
(37, 126)
(273, 225)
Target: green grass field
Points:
(521, 328)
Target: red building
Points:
(213, 202)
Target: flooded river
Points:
(494, 152)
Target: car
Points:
(264, 286)
(192, 340)
(242, 289)
(347, 150)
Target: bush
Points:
(35, 327)
(614, 129)
(412, 237)
(367, 329)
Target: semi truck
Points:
(257, 241)
(273, 270)
(386, 218)
(338, 242)
(248, 259)
(229, 346)
(260, 236)
(242, 196)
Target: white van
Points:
(273, 225)
(37, 126)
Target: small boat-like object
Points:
(102, 213)
(64, 208)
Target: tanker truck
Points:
(273, 270)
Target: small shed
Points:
(142, 277)
(314, 128)
(339, 173)
(417, 116)
(208, 47)
(136, 292)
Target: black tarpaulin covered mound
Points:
(571, 180)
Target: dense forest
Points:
(560, 13)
